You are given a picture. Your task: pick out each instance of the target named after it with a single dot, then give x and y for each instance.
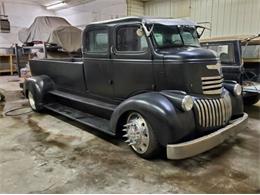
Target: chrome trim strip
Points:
(213, 92)
(212, 86)
(211, 78)
(212, 82)
(214, 66)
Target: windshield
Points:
(174, 36)
(225, 52)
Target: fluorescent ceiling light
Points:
(56, 4)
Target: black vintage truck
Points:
(146, 79)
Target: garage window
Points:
(128, 40)
(97, 41)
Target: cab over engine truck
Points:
(146, 79)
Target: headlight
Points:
(187, 103)
(237, 89)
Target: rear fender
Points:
(170, 124)
(39, 86)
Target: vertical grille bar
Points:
(216, 111)
(210, 113)
(223, 111)
(206, 114)
(219, 111)
(212, 108)
(202, 113)
(199, 112)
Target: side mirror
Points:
(140, 32)
(200, 30)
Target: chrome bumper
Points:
(205, 143)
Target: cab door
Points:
(131, 61)
(97, 62)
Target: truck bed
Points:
(67, 73)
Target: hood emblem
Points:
(215, 67)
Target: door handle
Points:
(112, 50)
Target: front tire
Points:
(140, 136)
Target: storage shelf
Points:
(12, 68)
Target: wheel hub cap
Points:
(137, 133)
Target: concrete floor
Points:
(43, 153)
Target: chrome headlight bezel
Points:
(187, 103)
(237, 90)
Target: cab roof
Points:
(147, 20)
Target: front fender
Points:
(39, 86)
(170, 124)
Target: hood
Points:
(194, 70)
(188, 54)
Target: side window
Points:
(97, 41)
(128, 40)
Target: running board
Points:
(87, 119)
(85, 104)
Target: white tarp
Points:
(68, 37)
(52, 30)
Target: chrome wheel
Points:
(31, 100)
(137, 133)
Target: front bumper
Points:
(205, 143)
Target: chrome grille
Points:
(213, 112)
(212, 85)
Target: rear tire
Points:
(140, 136)
(34, 103)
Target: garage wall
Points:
(228, 17)
(21, 15)
(135, 8)
(94, 11)
(167, 8)
(224, 17)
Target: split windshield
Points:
(174, 36)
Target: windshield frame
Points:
(180, 29)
